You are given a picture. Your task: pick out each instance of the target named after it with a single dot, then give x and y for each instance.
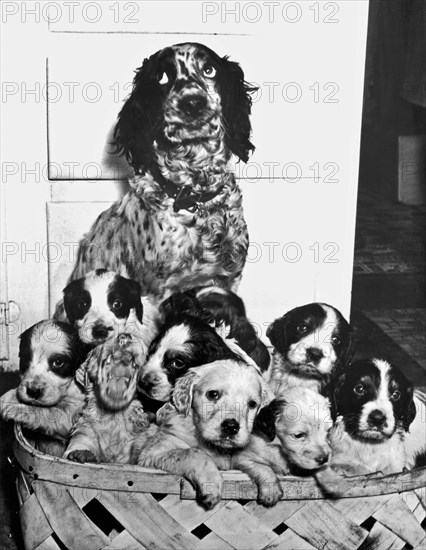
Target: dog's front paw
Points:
(82, 456)
(209, 499)
(269, 493)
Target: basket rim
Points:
(128, 477)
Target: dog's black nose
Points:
(377, 418)
(34, 393)
(314, 354)
(192, 104)
(230, 426)
(148, 381)
(322, 458)
(99, 331)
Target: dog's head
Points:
(301, 420)
(99, 303)
(181, 94)
(224, 398)
(374, 399)
(183, 343)
(313, 339)
(49, 355)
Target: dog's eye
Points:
(117, 304)
(301, 329)
(252, 404)
(299, 436)
(176, 364)
(162, 78)
(359, 389)
(209, 71)
(395, 396)
(82, 305)
(335, 340)
(58, 363)
(213, 395)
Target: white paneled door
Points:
(62, 93)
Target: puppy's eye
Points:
(213, 395)
(335, 340)
(82, 305)
(176, 364)
(117, 304)
(300, 436)
(396, 395)
(301, 329)
(58, 363)
(162, 78)
(359, 389)
(252, 404)
(209, 71)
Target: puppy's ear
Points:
(183, 392)
(276, 333)
(334, 395)
(236, 107)
(409, 410)
(264, 423)
(135, 296)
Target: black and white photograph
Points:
(213, 299)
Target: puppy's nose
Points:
(149, 380)
(33, 392)
(192, 104)
(230, 426)
(99, 331)
(314, 354)
(322, 458)
(377, 418)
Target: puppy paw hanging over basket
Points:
(121, 507)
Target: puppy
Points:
(184, 342)
(224, 310)
(375, 408)
(311, 343)
(99, 304)
(208, 423)
(291, 436)
(48, 399)
(112, 418)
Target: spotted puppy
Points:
(181, 224)
(208, 423)
(48, 399)
(311, 343)
(375, 408)
(224, 310)
(112, 418)
(99, 303)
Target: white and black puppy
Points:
(99, 303)
(184, 342)
(224, 310)
(311, 343)
(375, 408)
(47, 398)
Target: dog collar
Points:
(185, 198)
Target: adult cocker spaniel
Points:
(181, 224)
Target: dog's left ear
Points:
(276, 332)
(183, 392)
(236, 107)
(409, 411)
(135, 296)
(264, 423)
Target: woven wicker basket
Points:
(79, 506)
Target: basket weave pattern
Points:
(87, 507)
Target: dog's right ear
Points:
(264, 423)
(334, 395)
(183, 392)
(276, 333)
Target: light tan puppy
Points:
(208, 422)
